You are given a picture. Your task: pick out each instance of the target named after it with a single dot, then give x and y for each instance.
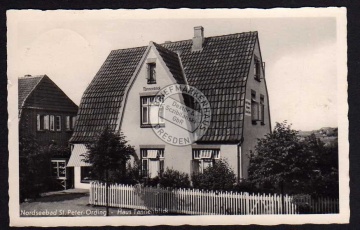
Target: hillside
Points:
(326, 134)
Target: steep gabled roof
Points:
(26, 86)
(219, 70)
(41, 92)
(102, 99)
(172, 61)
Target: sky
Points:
(299, 52)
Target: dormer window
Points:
(257, 68)
(151, 73)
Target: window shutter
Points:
(46, 122)
(67, 122)
(52, 123)
(38, 125)
(254, 111)
(262, 112)
(73, 123)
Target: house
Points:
(228, 70)
(49, 115)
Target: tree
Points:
(34, 168)
(325, 179)
(108, 154)
(219, 176)
(282, 160)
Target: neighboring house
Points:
(227, 69)
(49, 115)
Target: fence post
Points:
(247, 203)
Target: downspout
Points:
(239, 160)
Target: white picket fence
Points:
(194, 201)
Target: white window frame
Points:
(40, 122)
(58, 122)
(58, 168)
(146, 105)
(151, 73)
(68, 123)
(147, 156)
(52, 123)
(203, 156)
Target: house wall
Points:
(251, 132)
(229, 153)
(28, 125)
(176, 157)
(77, 179)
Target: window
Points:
(73, 120)
(85, 174)
(52, 124)
(42, 122)
(152, 162)
(151, 73)
(262, 109)
(257, 68)
(254, 108)
(58, 123)
(151, 112)
(203, 158)
(58, 168)
(70, 123)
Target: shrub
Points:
(217, 177)
(171, 178)
(35, 171)
(131, 176)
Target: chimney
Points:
(198, 38)
(167, 42)
(27, 75)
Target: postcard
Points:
(178, 116)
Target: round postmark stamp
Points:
(183, 114)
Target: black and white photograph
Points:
(201, 117)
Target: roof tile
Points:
(219, 70)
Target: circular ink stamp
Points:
(183, 114)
